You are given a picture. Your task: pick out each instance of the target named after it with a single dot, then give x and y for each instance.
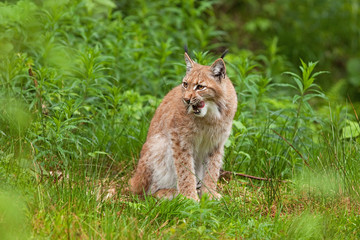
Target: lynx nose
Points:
(186, 100)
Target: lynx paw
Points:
(213, 195)
(166, 193)
(194, 197)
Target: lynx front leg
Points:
(184, 164)
(212, 173)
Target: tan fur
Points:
(183, 148)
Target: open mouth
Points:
(198, 106)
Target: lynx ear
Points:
(218, 68)
(189, 62)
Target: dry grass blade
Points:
(302, 157)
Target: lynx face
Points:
(201, 87)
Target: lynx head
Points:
(202, 86)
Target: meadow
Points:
(80, 81)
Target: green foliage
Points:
(306, 88)
(352, 130)
(79, 83)
(326, 30)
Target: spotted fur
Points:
(185, 142)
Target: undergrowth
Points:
(80, 81)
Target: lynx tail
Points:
(140, 182)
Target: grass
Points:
(89, 209)
(79, 83)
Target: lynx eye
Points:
(185, 84)
(200, 87)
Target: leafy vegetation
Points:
(80, 81)
(324, 31)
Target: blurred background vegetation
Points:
(324, 31)
(155, 31)
(80, 81)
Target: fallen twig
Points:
(224, 173)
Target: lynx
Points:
(185, 143)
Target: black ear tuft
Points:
(186, 49)
(224, 53)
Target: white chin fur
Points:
(210, 109)
(203, 111)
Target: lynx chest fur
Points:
(185, 143)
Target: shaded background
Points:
(154, 32)
(325, 31)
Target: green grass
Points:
(79, 84)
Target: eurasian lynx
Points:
(185, 142)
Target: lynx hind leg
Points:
(140, 182)
(166, 193)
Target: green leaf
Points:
(300, 85)
(352, 130)
(307, 97)
(293, 74)
(308, 107)
(244, 154)
(239, 125)
(314, 85)
(308, 82)
(319, 73)
(295, 98)
(284, 85)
